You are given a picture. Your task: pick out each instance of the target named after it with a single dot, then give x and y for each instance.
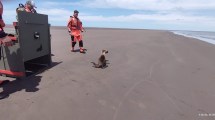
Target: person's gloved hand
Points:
(33, 11)
(69, 31)
(7, 41)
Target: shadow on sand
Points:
(29, 84)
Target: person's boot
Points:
(3, 95)
(72, 49)
(3, 82)
(82, 50)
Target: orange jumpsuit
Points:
(75, 27)
(4, 39)
(30, 10)
(2, 24)
(27, 10)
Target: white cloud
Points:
(51, 3)
(62, 15)
(143, 4)
(55, 12)
(160, 6)
(9, 16)
(59, 16)
(170, 18)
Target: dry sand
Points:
(152, 75)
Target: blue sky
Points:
(197, 15)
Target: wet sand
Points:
(151, 75)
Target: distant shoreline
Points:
(64, 27)
(176, 32)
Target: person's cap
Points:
(31, 3)
(76, 11)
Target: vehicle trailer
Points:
(31, 50)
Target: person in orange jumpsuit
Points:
(75, 28)
(6, 41)
(29, 6)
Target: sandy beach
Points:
(151, 75)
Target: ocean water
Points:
(204, 36)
